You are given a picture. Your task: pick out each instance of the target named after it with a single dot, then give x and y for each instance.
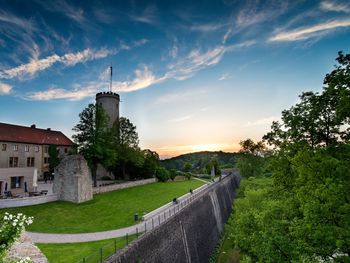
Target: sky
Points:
(192, 75)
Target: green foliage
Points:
(11, 227)
(53, 160)
(95, 140)
(150, 164)
(199, 161)
(250, 165)
(251, 162)
(304, 216)
(172, 174)
(187, 167)
(162, 174)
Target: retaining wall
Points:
(113, 187)
(25, 201)
(189, 236)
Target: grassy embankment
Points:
(107, 211)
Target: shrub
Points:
(11, 228)
(162, 174)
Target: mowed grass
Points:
(106, 211)
(75, 252)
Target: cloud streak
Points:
(335, 7)
(28, 70)
(308, 32)
(5, 89)
(143, 76)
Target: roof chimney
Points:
(33, 126)
(49, 129)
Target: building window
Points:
(46, 149)
(3, 147)
(15, 147)
(65, 150)
(16, 182)
(13, 162)
(36, 148)
(26, 148)
(30, 162)
(46, 160)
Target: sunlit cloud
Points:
(75, 94)
(143, 79)
(5, 89)
(335, 6)
(307, 32)
(30, 69)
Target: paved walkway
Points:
(152, 220)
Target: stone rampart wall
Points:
(191, 235)
(113, 187)
(25, 201)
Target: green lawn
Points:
(106, 211)
(75, 252)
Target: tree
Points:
(128, 147)
(162, 174)
(251, 161)
(318, 120)
(187, 167)
(95, 140)
(150, 164)
(54, 159)
(172, 174)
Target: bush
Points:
(106, 178)
(11, 228)
(162, 174)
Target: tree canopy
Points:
(304, 215)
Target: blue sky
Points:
(192, 75)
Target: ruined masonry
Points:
(73, 180)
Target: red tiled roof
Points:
(22, 134)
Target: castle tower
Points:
(110, 103)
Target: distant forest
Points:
(199, 161)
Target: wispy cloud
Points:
(183, 118)
(28, 70)
(143, 79)
(5, 89)
(308, 32)
(197, 60)
(205, 28)
(143, 76)
(148, 16)
(225, 76)
(263, 121)
(75, 94)
(335, 6)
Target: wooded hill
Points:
(199, 160)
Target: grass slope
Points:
(107, 211)
(75, 252)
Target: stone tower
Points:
(110, 103)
